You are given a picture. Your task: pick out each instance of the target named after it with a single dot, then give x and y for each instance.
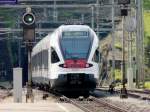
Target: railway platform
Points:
(50, 104)
(38, 107)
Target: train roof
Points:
(46, 40)
(74, 27)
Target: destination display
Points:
(70, 34)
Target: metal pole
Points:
(97, 13)
(29, 66)
(142, 37)
(29, 86)
(19, 45)
(45, 13)
(82, 18)
(123, 89)
(130, 69)
(40, 33)
(92, 22)
(113, 43)
(128, 46)
(137, 48)
(55, 15)
(123, 55)
(130, 84)
(138, 43)
(19, 52)
(130, 50)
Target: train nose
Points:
(79, 63)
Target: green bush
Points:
(147, 85)
(118, 75)
(118, 46)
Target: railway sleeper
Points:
(63, 99)
(81, 98)
(45, 96)
(90, 98)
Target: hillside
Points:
(147, 33)
(147, 27)
(146, 4)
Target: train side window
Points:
(45, 58)
(54, 56)
(96, 56)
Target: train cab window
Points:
(96, 57)
(54, 56)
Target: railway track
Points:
(89, 104)
(143, 98)
(145, 91)
(144, 95)
(96, 104)
(93, 104)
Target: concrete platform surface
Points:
(38, 107)
(51, 104)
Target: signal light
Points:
(28, 19)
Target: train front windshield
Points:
(75, 44)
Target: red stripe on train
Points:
(79, 63)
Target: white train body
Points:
(67, 59)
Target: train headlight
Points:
(87, 65)
(64, 65)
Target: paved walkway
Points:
(39, 105)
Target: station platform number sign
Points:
(8, 2)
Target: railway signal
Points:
(28, 26)
(124, 13)
(29, 19)
(29, 38)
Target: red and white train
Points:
(67, 59)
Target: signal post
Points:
(124, 13)
(29, 39)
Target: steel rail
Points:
(100, 102)
(119, 109)
(79, 106)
